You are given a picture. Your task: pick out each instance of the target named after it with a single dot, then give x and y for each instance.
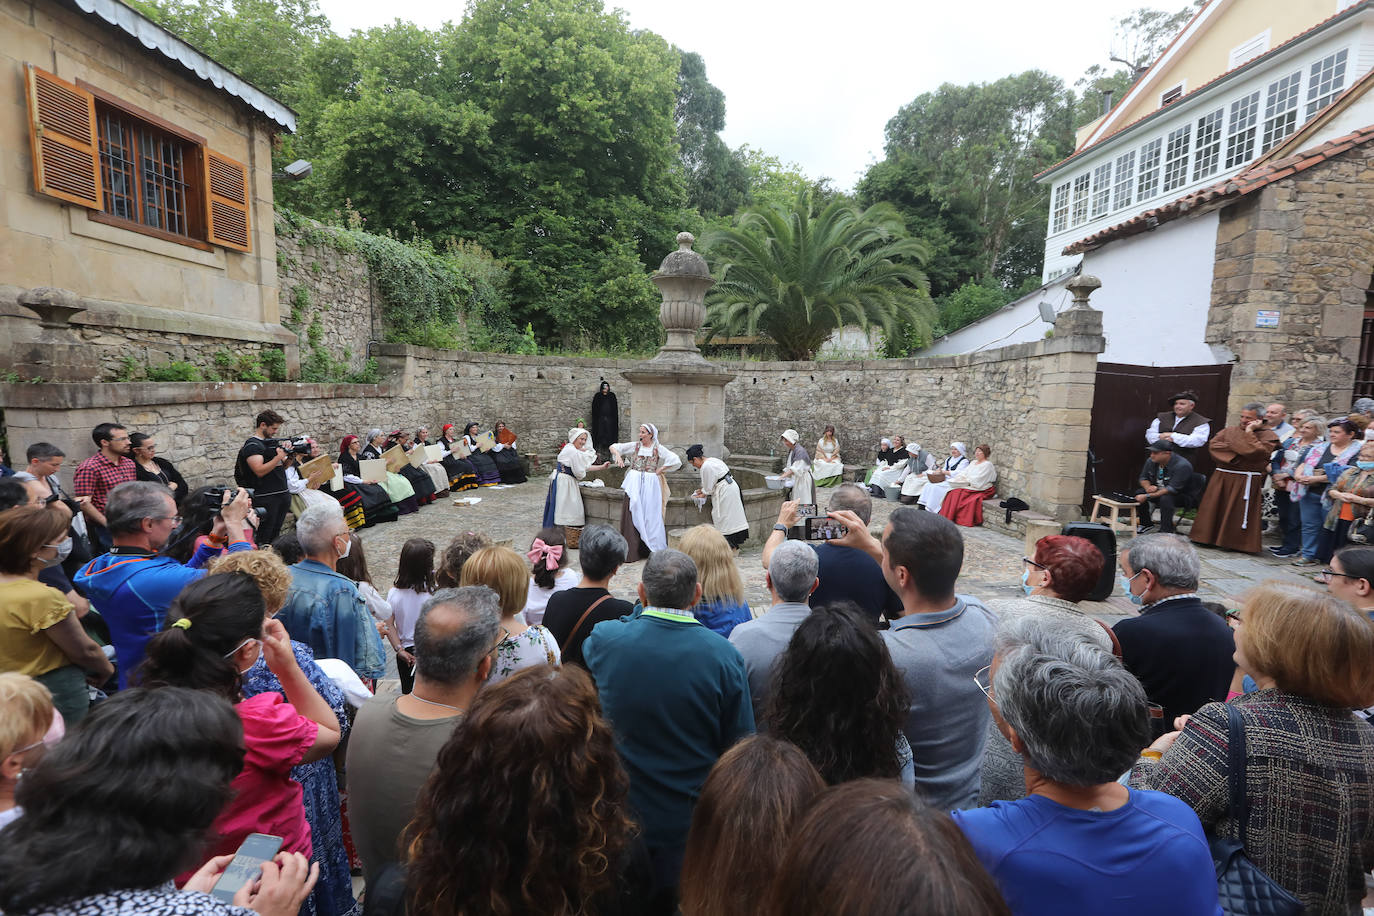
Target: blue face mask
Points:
(1025, 581)
(1365, 465)
(1125, 582)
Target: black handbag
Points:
(1243, 889)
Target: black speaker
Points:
(1104, 539)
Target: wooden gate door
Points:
(1125, 401)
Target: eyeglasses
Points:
(1029, 562)
(174, 519)
(502, 635)
(1233, 615)
(983, 678)
(28, 747)
(1328, 571)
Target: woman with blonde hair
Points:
(26, 718)
(1309, 762)
(722, 606)
(827, 468)
(504, 571)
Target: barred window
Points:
(145, 172)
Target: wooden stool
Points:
(1119, 516)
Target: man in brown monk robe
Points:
(1229, 515)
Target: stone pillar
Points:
(678, 390)
(51, 349)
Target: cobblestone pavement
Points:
(992, 560)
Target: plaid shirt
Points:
(97, 476)
(1309, 774)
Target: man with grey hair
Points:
(1229, 513)
(323, 607)
(846, 574)
(791, 578)
(133, 585)
(1079, 720)
(397, 737)
(676, 695)
(1180, 651)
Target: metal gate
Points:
(1125, 401)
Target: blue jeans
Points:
(1312, 518)
(1290, 521)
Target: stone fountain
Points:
(684, 396)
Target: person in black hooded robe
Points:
(605, 418)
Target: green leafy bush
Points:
(175, 372)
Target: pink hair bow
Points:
(550, 554)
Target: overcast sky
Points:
(815, 82)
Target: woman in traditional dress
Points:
(605, 418)
(397, 487)
(419, 480)
(891, 463)
(303, 496)
(918, 466)
(645, 489)
(461, 474)
(727, 506)
(375, 503)
(969, 486)
(505, 456)
(488, 475)
(798, 468)
(827, 469)
(933, 493)
(433, 467)
(563, 506)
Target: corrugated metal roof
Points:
(155, 38)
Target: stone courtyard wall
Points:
(1303, 246)
(1030, 402)
(327, 293)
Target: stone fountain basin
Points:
(604, 505)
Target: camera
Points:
(296, 445)
(214, 498)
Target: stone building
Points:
(135, 196)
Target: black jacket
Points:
(1178, 475)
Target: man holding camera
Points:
(133, 585)
(261, 467)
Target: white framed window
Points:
(1125, 180)
(1207, 146)
(1280, 110)
(1176, 157)
(1171, 95)
(1059, 211)
(1080, 199)
(1325, 81)
(1102, 190)
(1248, 50)
(1147, 183)
(1240, 130)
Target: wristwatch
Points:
(780, 527)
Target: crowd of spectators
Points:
(876, 741)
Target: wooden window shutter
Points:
(62, 134)
(226, 201)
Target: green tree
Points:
(982, 145)
(797, 275)
(717, 179)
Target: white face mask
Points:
(235, 650)
(348, 545)
(64, 550)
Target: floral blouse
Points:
(534, 646)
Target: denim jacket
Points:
(324, 610)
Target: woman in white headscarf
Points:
(891, 466)
(563, 505)
(798, 468)
(645, 489)
(933, 493)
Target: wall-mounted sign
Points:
(1267, 318)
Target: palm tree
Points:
(797, 276)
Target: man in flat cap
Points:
(1181, 426)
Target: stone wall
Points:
(1303, 246)
(1030, 402)
(328, 298)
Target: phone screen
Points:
(806, 510)
(824, 528)
(256, 849)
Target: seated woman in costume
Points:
(645, 489)
(373, 501)
(827, 468)
(563, 505)
(798, 468)
(397, 487)
(504, 454)
(488, 475)
(915, 478)
(963, 505)
(461, 474)
(303, 496)
(933, 493)
(419, 480)
(433, 467)
(891, 463)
